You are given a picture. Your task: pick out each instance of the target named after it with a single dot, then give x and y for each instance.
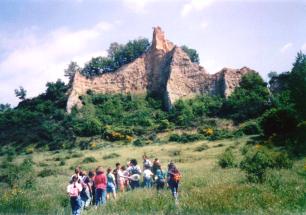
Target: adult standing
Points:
(134, 172)
(100, 182)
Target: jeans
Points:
(134, 184)
(174, 188)
(147, 182)
(160, 184)
(100, 197)
(75, 205)
(86, 198)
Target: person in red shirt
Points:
(100, 182)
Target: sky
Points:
(39, 38)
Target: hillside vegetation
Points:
(206, 187)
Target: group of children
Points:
(96, 187)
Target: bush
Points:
(185, 138)
(76, 155)
(201, 148)
(227, 159)
(139, 142)
(47, 172)
(19, 176)
(282, 160)
(89, 160)
(251, 127)
(110, 156)
(278, 121)
(255, 164)
(62, 163)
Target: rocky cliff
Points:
(164, 70)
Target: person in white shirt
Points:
(146, 162)
(147, 177)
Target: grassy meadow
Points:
(206, 188)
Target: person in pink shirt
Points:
(100, 182)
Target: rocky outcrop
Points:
(165, 70)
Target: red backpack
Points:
(177, 177)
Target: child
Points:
(86, 191)
(147, 176)
(173, 180)
(120, 178)
(159, 177)
(125, 177)
(111, 184)
(91, 175)
(73, 190)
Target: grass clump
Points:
(47, 172)
(201, 148)
(227, 159)
(89, 160)
(185, 138)
(110, 156)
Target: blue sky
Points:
(38, 38)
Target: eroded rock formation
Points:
(165, 70)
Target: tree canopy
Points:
(118, 55)
(192, 53)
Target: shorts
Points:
(111, 189)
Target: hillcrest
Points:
(164, 70)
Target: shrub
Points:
(163, 125)
(76, 155)
(29, 149)
(227, 159)
(62, 163)
(255, 164)
(47, 172)
(278, 121)
(84, 145)
(282, 160)
(89, 160)
(110, 156)
(20, 176)
(201, 148)
(185, 138)
(250, 127)
(138, 142)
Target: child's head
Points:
(77, 170)
(133, 162)
(74, 179)
(117, 165)
(91, 174)
(109, 170)
(123, 168)
(82, 173)
(145, 157)
(99, 170)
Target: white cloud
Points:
(303, 47)
(204, 25)
(138, 6)
(44, 58)
(196, 5)
(286, 47)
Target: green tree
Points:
(5, 107)
(73, 67)
(192, 53)
(21, 93)
(297, 84)
(118, 55)
(249, 100)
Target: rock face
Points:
(164, 70)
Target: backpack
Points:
(177, 177)
(74, 191)
(134, 171)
